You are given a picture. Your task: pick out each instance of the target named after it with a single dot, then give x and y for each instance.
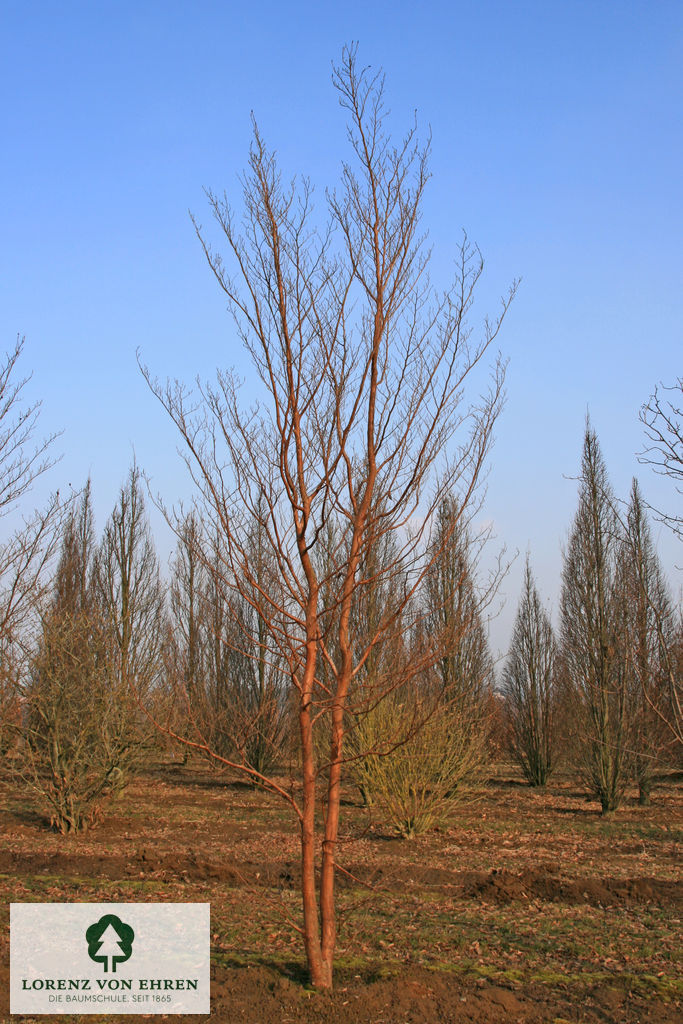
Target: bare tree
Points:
(226, 684)
(362, 369)
(592, 654)
(662, 418)
(187, 656)
(456, 603)
(129, 588)
(529, 686)
(77, 736)
(26, 553)
(187, 605)
(647, 639)
(258, 711)
(131, 601)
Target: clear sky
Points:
(557, 145)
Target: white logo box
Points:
(110, 958)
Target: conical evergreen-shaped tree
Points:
(594, 666)
(530, 686)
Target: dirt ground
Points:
(526, 907)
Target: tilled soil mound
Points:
(419, 996)
(495, 886)
(505, 886)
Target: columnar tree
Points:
(455, 604)
(187, 656)
(647, 639)
(212, 707)
(362, 370)
(227, 684)
(592, 650)
(131, 601)
(530, 686)
(188, 583)
(74, 748)
(259, 710)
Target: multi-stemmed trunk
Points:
(319, 916)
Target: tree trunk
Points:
(319, 966)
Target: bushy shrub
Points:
(415, 760)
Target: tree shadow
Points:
(579, 812)
(186, 778)
(292, 970)
(28, 816)
(497, 783)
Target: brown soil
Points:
(263, 995)
(422, 997)
(526, 908)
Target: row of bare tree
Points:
(114, 652)
(607, 689)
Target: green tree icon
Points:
(110, 941)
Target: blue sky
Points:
(556, 144)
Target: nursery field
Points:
(525, 907)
